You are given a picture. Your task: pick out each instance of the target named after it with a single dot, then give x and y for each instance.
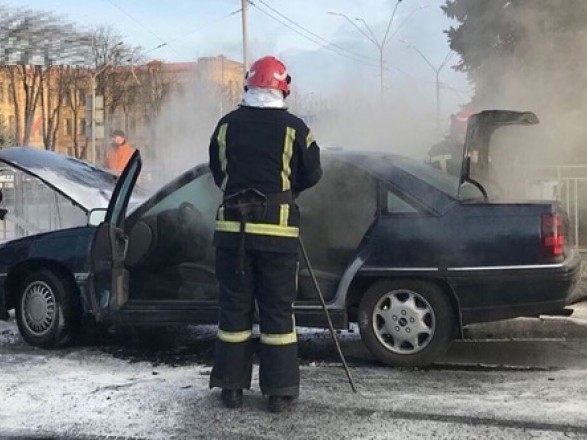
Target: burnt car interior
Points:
(336, 214)
(170, 247)
(171, 254)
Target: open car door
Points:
(108, 281)
(480, 129)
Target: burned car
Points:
(409, 253)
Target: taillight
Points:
(553, 235)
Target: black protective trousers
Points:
(269, 278)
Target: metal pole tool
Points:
(330, 326)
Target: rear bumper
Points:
(495, 293)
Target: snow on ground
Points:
(93, 391)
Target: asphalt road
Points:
(505, 384)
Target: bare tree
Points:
(156, 85)
(6, 135)
(25, 80)
(77, 84)
(114, 62)
(52, 93)
(32, 43)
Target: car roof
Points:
(426, 184)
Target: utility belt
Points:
(255, 195)
(251, 212)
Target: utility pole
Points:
(436, 73)
(380, 44)
(245, 5)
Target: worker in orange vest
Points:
(119, 153)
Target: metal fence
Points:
(568, 185)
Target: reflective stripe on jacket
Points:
(273, 152)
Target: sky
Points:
(340, 56)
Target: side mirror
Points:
(96, 216)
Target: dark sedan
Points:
(409, 253)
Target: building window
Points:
(69, 127)
(2, 92)
(82, 126)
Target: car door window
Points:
(337, 212)
(201, 192)
(394, 204)
(171, 244)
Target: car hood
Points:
(83, 183)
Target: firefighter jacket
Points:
(273, 152)
(447, 156)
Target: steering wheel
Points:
(189, 216)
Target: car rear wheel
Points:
(406, 322)
(48, 310)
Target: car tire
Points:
(48, 310)
(406, 323)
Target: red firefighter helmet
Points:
(459, 121)
(269, 73)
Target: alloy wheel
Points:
(39, 308)
(404, 321)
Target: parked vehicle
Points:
(408, 252)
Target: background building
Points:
(58, 98)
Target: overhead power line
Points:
(204, 26)
(344, 49)
(354, 57)
(140, 24)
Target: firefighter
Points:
(447, 154)
(119, 153)
(261, 157)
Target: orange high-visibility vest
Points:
(118, 157)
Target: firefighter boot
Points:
(279, 404)
(232, 398)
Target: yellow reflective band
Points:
(279, 339)
(259, 229)
(234, 337)
(309, 139)
(442, 160)
(222, 153)
(290, 135)
(227, 226)
(221, 213)
(275, 230)
(283, 214)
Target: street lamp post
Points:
(370, 35)
(93, 151)
(94, 76)
(436, 74)
(245, 4)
